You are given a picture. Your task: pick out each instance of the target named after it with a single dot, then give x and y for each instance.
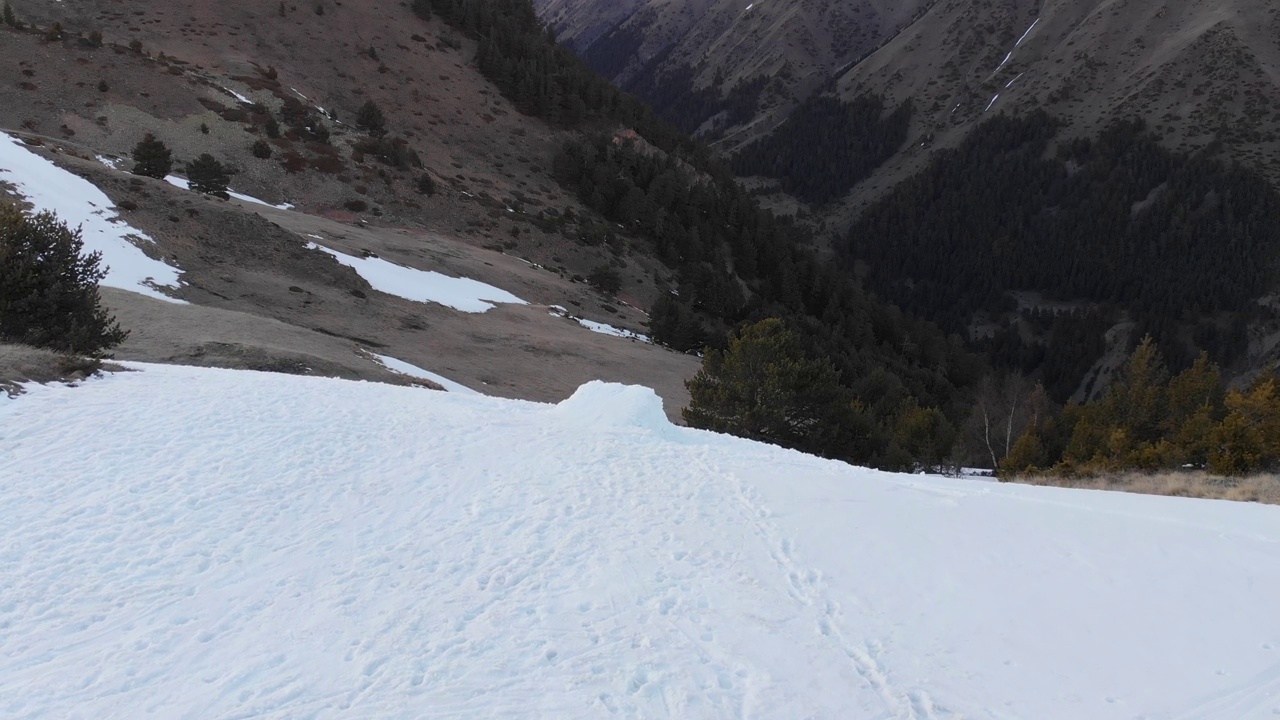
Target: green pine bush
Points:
(49, 288)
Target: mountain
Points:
(944, 165)
(687, 58)
(1196, 72)
(206, 542)
(442, 187)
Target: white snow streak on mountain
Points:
(197, 543)
(80, 203)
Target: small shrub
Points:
(54, 33)
(9, 18)
(272, 127)
(390, 151)
(95, 39)
(103, 86)
(207, 175)
(261, 150)
(371, 120)
(204, 129)
(605, 279)
(356, 205)
(136, 45)
(152, 158)
(426, 184)
(49, 290)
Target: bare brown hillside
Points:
(207, 77)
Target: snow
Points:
(598, 327)
(78, 202)
(186, 542)
(1025, 34)
(404, 368)
(237, 96)
(1016, 45)
(183, 183)
(463, 294)
(1011, 82)
(993, 102)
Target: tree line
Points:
(1151, 419)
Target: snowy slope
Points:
(197, 543)
(80, 203)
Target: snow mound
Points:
(613, 406)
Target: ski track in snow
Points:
(296, 547)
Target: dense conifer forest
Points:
(827, 145)
(1170, 238)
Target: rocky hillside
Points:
(1196, 72)
(717, 65)
(459, 184)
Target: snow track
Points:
(198, 543)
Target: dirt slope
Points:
(260, 298)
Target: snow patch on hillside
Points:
(598, 327)
(184, 184)
(404, 368)
(79, 202)
(463, 294)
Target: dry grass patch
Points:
(1194, 484)
(22, 364)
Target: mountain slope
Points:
(686, 55)
(212, 78)
(1195, 71)
(212, 542)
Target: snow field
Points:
(79, 202)
(202, 543)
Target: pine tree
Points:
(764, 387)
(207, 175)
(152, 158)
(605, 279)
(9, 18)
(371, 120)
(49, 289)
